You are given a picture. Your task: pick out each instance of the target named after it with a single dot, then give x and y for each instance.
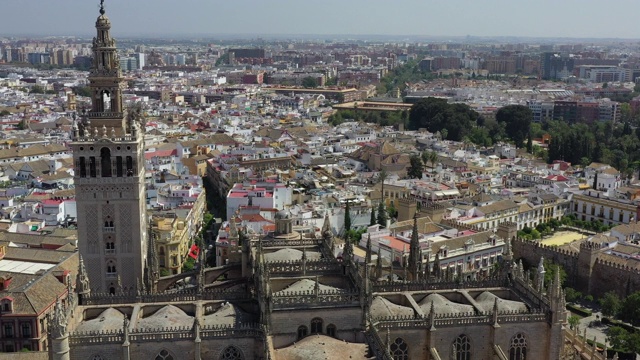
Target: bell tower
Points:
(108, 155)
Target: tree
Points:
(37, 89)
(572, 294)
(382, 177)
(617, 337)
(573, 320)
(630, 310)
(517, 120)
(595, 182)
(610, 304)
(347, 217)
(372, 221)
(382, 214)
(550, 271)
(529, 143)
(5, 113)
(436, 114)
(310, 82)
(415, 167)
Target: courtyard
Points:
(563, 237)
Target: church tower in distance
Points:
(109, 177)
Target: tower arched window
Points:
(106, 95)
(316, 326)
(129, 166)
(302, 332)
(111, 269)
(462, 346)
(399, 349)
(231, 353)
(105, 162)
(92, 166)
(518, 348)
(119, 166)
(164, 355)
(82, 166)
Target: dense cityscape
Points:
(318, 198)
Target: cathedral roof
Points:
(167, 316)
(486, 302)
(109, 320)
(290, 254)
(306, 285)
(442, 305)
(227, 315)
(383, 308)
(322, 347)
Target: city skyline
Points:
(491, 18)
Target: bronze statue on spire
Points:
(102, 7)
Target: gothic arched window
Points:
(105, 162)
(316, 326)
(302, 332)
(331, 330)
(164, 355)
(399, 350)
(518, 348)
(462, 346)
(232, 353)
(96, 357)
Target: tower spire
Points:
(414, 250)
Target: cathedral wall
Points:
(482, 339)
(284, 324)
(88, 351)
(213, 349)
(416, 340)
(149, 350)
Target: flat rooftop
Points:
(23, 267)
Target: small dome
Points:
(103, 21)
(282, 214)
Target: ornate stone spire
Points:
(58, 321)
(379, 265)
(540, 275)
(415, 254)
(83, 287)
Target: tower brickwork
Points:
(108, 155)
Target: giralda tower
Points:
(109, 177)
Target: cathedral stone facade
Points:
(286, 296)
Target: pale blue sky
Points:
(536, 18)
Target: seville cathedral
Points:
(282, 296)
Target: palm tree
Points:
(432, 157)
(382, 176)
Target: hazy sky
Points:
(537, 18)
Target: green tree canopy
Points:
(610, 304)
(630, 310)
(437, 115)
(382, 214)
(517, 120)
(310, 82)
(415, 168)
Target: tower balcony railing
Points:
(109, 251)
(106, 114)
(111, 275)
(108, 229)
